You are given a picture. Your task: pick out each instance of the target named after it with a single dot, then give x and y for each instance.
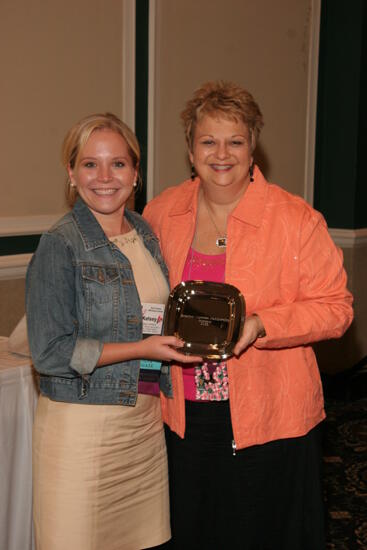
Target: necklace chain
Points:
(221, 241)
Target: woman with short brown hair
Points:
(243, 435)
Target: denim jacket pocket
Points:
(99, 282)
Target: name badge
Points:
(152, 318)
(152, 324)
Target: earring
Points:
(70, 183)
(193, 172)
(251, 171)
(135, 184)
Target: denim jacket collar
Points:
(90, 230)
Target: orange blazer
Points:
(281, 257)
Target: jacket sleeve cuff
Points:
(85, 356)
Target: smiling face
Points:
(221, 152)
(105, 174)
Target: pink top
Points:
(200, 267)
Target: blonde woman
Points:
(99, 456)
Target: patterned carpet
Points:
(345, 461)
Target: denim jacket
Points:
(80, 293)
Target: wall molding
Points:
(151, 98)
(128, 62)
(349, 238)
(14, 267)
(311, 109)
(27, 225)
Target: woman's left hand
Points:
(252, 329)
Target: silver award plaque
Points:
(207, 316)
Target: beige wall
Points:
(262, 45)
(11, 304)
(59, 61)
(267, 47)
(62, 60)
(337, 355)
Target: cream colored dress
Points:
(100, 471)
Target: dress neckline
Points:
(202, 255)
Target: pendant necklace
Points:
(221, 241)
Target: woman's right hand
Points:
(164, 348)
(158, 348)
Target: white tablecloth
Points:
(18, 398)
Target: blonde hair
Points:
(78, 135)
(226, 99)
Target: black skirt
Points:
(265, 497)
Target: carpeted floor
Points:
(345, 462)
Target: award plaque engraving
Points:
(207, 316)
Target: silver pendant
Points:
(221, 242)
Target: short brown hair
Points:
(226, 99)
(78, 135)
